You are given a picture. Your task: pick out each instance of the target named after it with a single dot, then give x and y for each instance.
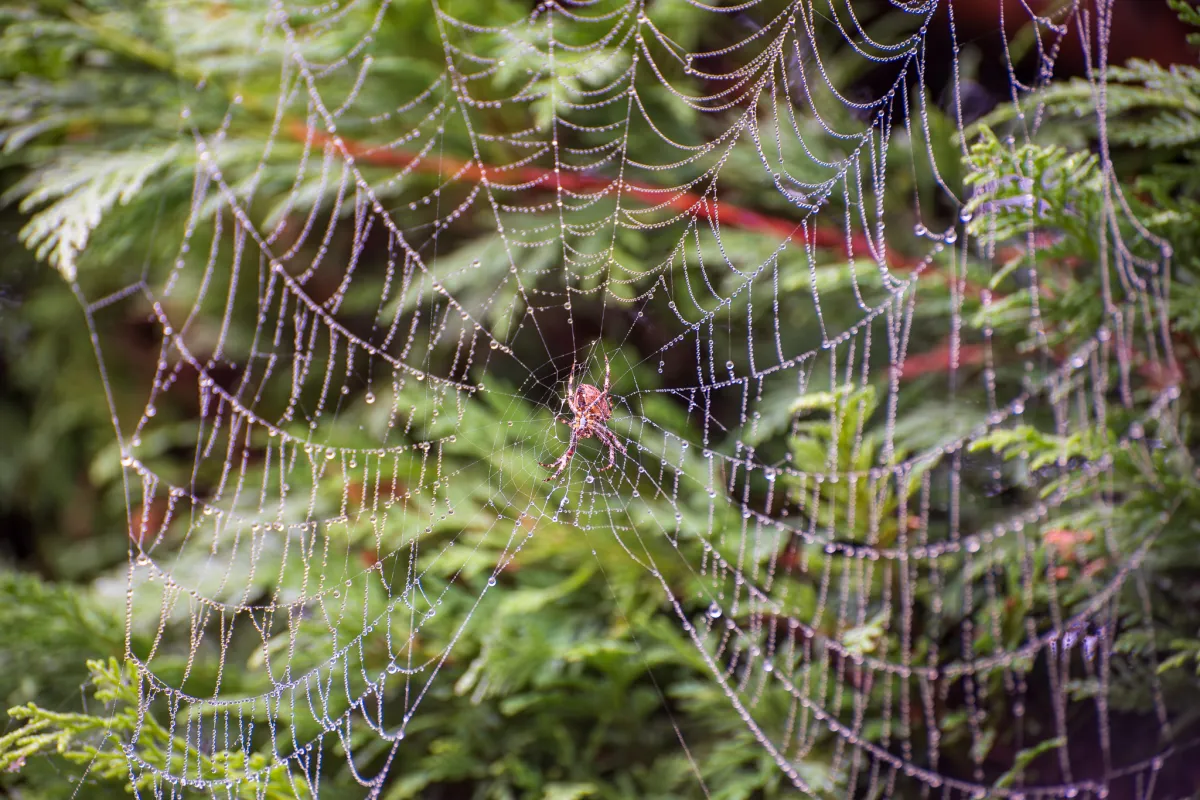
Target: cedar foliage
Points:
(570, 683)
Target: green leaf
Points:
(81, 190)
(568, 791)
(1024, 758)
(865, 638)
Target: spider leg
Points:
(571, 392)
(562, 461)
(614, 444)
(612, 458)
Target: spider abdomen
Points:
(592, 403)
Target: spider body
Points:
(591, 405)
(591, 409)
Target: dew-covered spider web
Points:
(823, 293)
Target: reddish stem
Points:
(940, 360)
(825, 238)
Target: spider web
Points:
(545, 192)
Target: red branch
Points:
(941, 360)
(825, 238)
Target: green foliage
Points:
(1190, 14)
(863, 510)
(97, 741)
(83, 189)
(1020, 189)
(1145, 105)
(1152, 126)
(47, 631)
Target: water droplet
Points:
(492, 581)
(714, 611)
(369, 397)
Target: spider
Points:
(592, 409)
